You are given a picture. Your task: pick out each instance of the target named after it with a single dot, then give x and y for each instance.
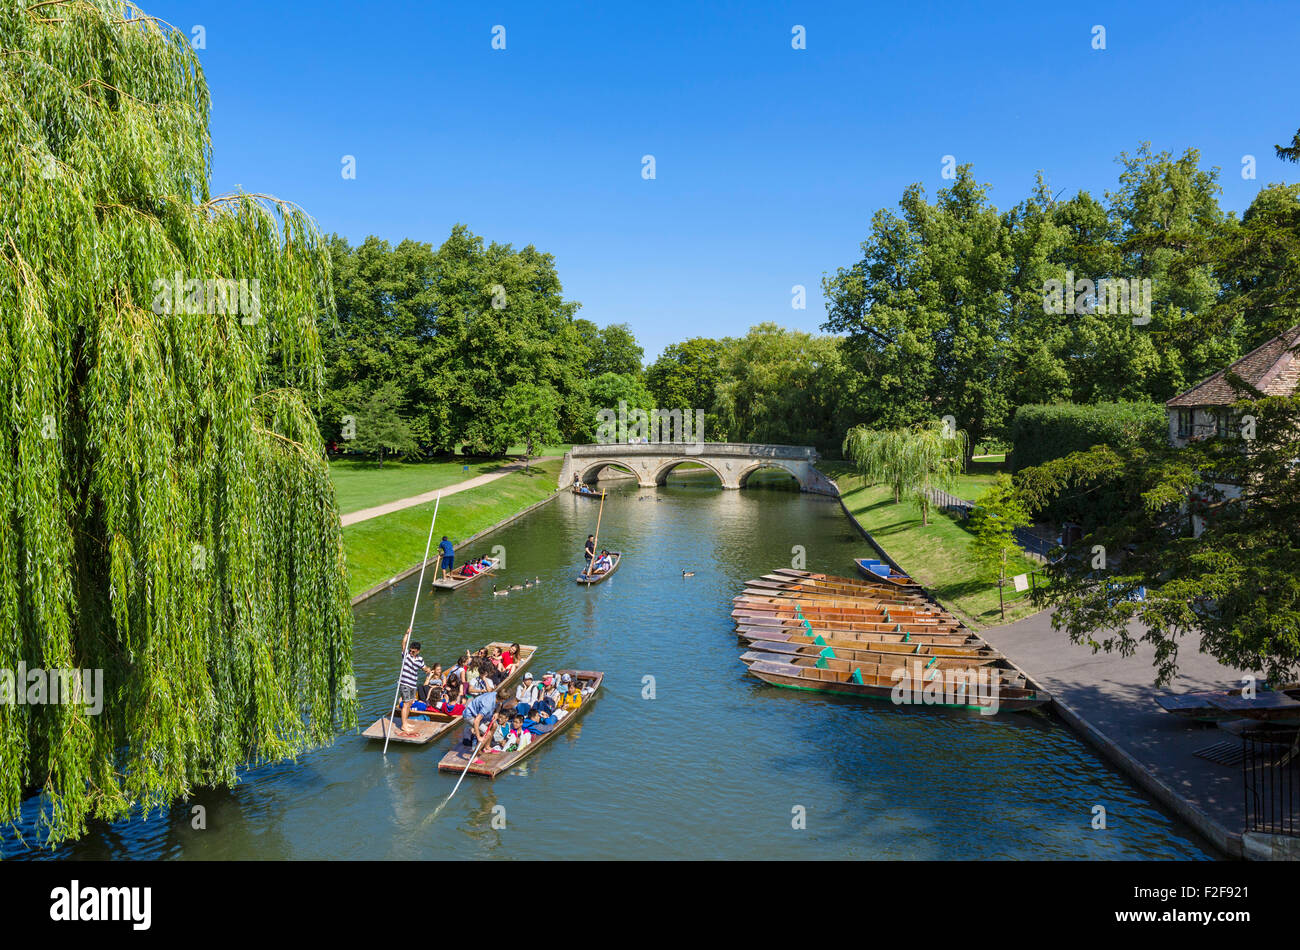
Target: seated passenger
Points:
(603, 563)
(539, 723)
(570, 697)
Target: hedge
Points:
(1042, 432)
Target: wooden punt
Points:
(872, 568)
(881, 592)
(789, 621)
(889, 643)
(793, 676)
(456, 580)
(435, 724)
(856, 588)
(888, 667)
(805, 576)
(597, 578)
(905, 631)
(839, 606)
(587, 494)
(837, 597)
(867, 653)
(493, 764)
(772, 614)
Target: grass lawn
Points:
(937, 555)
(382, 547)
(545, 450)
(361, 484)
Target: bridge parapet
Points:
(745, 449)
(732, 462)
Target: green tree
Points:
(532, 414)
(926, 311)
(168, 513)
(380, 428)
(780, 386)
(917, 460)
(685, 376)
(607, 393)
(994, 523)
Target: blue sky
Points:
(770, 161)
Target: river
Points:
(715, 765)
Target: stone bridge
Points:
(732, 462)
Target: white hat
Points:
(565, 678)
(528, 676)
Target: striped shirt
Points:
(412, 667)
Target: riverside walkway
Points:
(1110, 700)
(388, 507)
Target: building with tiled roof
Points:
(1272, 368)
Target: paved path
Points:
(1110, 699)
(365, 514)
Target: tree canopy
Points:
(169, 518)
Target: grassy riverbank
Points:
(938, 555)
(382, 547)
(364, 484)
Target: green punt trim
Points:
(879, 699)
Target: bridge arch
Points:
(665, 469)
(761, 464)
(591, 471)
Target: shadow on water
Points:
(683, 755)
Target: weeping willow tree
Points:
(913, 461)
(167, 514)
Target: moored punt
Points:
(781, 612)
(435, 724)
(493, 764)
(879, 569)
(457, 579)
(951, 688)
(863, 654)
(850, 607)
(585, 578)
(884, 592)
(832, 587)
(805, 576)
(759, 618)
(906, 631)
(892, 669)
(799, 597)
(879, 643)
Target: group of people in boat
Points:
(602, 563)
(475, 565)
(451, 692)
(502, 724)
(581, 487)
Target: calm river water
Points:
(713, 767)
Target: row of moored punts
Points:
(876, 637)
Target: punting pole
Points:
(472, 756)
(411, 626)
(595, 538)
